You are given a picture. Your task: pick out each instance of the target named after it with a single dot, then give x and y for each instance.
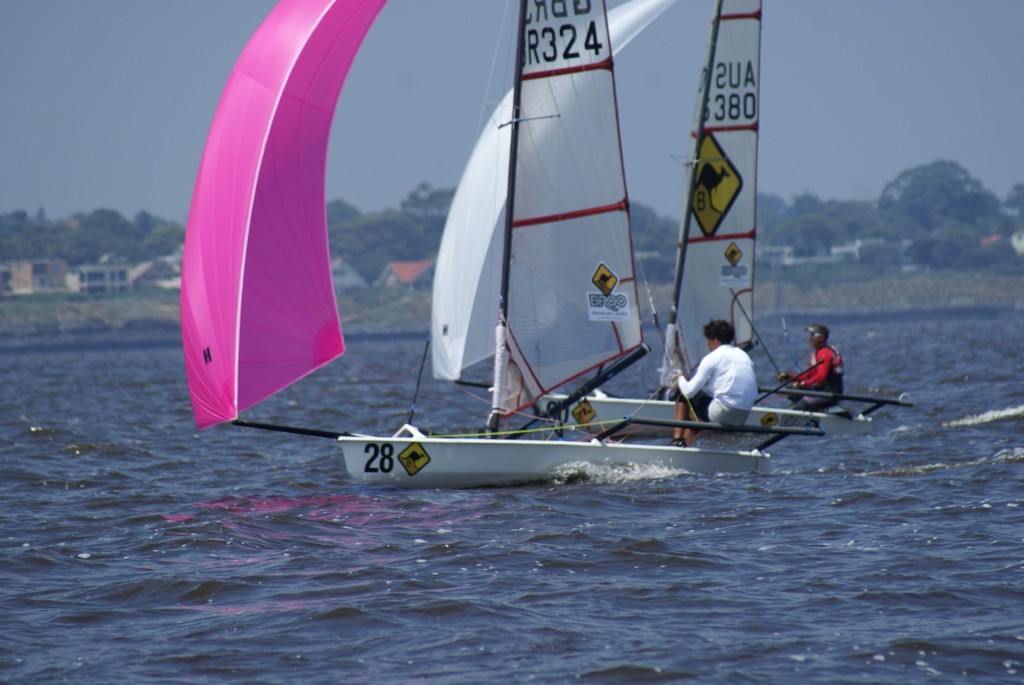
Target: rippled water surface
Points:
(137, 550)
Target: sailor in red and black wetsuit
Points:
(825, 373)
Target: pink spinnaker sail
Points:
(258, 310)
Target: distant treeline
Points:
(944, 217)
(947, 218)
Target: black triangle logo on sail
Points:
(717, 185)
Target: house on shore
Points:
(27, 276)
(344, 276)
(418, 275)
(98, 278)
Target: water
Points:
(136, 550)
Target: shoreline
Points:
(170, 335)
(120, 339)
(152, 318)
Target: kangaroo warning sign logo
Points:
(414, 458)
(607, 305)
(733, 274)
(604, 279)
(717, 185)
(584, 412)
(734, 254)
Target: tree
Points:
(957, 249)
(857, 219)
(45, 241)
(12, 227)
(339, 211)
(429, 208)
(814, 227)
(428, 204)
(163, 240)
(770, 210)
(938, 196)
(805, 204)
(1015, 201)
(372, 240)
(810, 234)
(104, 232)
(146, 222)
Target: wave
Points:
(584, 472)
(987, 417)
(1011, 455)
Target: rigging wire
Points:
(789, 343)
(419, 377)
(764, 345)
(642, 276)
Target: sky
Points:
(107, 103)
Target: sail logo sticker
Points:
(734, 274)
(770, 419)
(584, 412)
(716, 185)
(733, 253)
(414, 458)
(604, 279)
(607, 305)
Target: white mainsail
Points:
(715, 275)
(572, 298)
(466, 285)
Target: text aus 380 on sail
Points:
(561, 31)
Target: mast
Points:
(673, 354)
(501, 331)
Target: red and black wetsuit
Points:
(826, 376)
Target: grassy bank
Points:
(918, 291)
(49, 314)
(155, 313)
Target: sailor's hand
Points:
(783, 376)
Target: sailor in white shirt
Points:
(723, 386)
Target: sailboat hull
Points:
(413, 460)
(615, 408)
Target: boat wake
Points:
(583, 472)
(1013, 455)
(987, 417)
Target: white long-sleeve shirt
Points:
(727, 374)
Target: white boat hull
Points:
(610, 409)
(412, 460)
